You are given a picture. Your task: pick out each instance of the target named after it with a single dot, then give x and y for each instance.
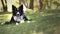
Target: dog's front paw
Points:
(28, 21)
(17, 23)
(2, 23)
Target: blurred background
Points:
(45, 15)
(30, 4)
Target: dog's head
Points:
(17, 10)
(17, 14)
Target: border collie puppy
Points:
(17, 18)
(17, 15)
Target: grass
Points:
(45, 22)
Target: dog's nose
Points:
(18, 13)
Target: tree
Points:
(49, 2)
(40, 4)
(56, 3)
(4, 4)
(31, 6)
(24, 2)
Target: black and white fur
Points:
(14, 15)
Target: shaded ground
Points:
(46, 22)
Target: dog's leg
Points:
(17, 22)
(5, 23)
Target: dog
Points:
(17, 15)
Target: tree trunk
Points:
(4, 5)
(31, 6)
(40, 4)
(49, 4)
(24, 2)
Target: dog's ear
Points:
(21, 7)
(14, 9)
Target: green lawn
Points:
(45, 22)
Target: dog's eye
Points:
(17, 14)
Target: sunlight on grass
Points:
(42, 23)
(5, 17)
(50, 12)
(8, 16)
(40, 33)
(37, 32)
